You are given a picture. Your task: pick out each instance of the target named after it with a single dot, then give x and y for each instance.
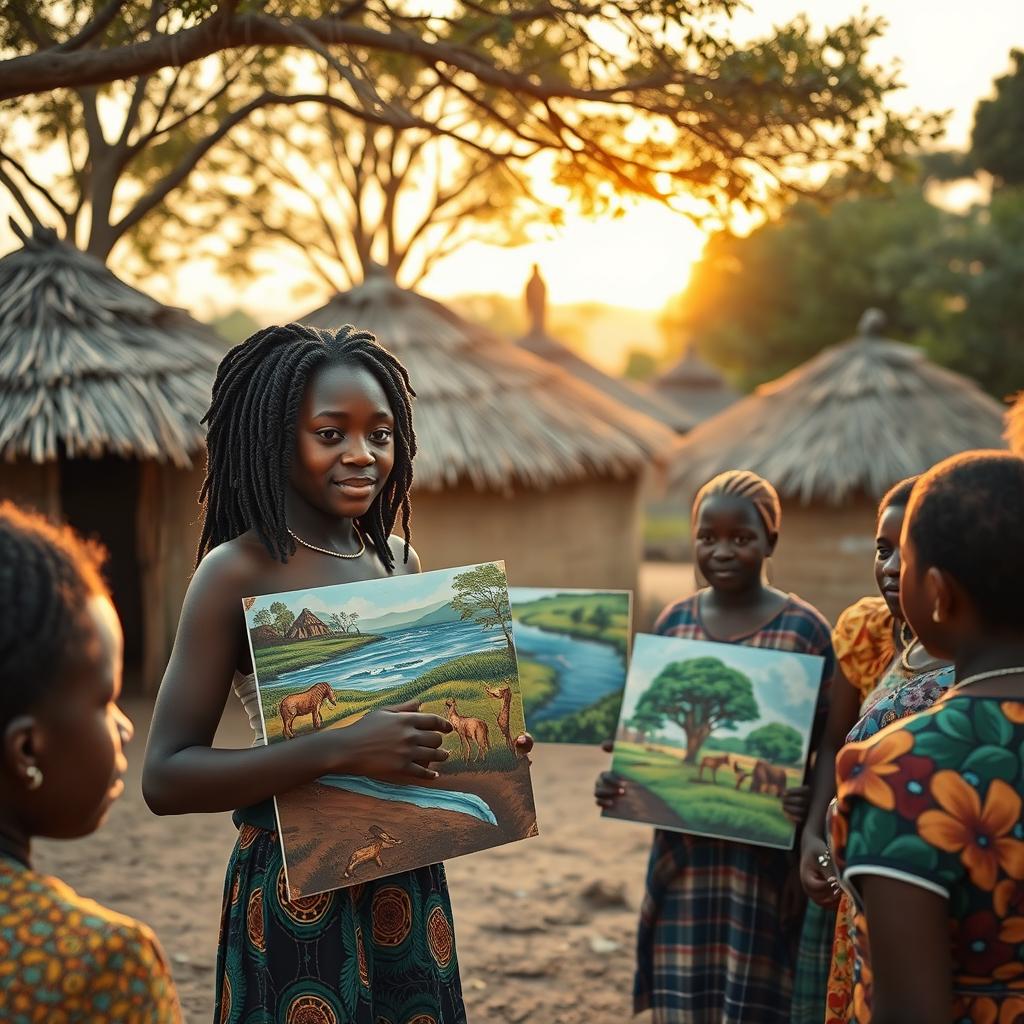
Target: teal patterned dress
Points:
(378, 953)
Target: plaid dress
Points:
(713, 946)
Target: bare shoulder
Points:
(231, 569)
(402, 567)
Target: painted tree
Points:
(283, 618)
(699, 695)
(126, 100)
(481, 596)
(600, 617)
(353, 622)
(263, 618)
(776, 742)
(644, 722)
(338, 622)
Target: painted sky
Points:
(785, 684)
(370, 598)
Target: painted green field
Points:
(539, 683)
(557, 614)
(718, 809)
(465, 679)
(272, 661)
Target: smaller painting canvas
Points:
(572, 647)
(712, 735)
(326, 657)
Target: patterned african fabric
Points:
(935, 801)
(864, 644)
(65, 959)
(378, 953)
(714, 944)
(892, 704)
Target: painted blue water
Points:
(421, 796)
(587, 670)
(398, 658)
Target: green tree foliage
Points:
(997, 142)
(126, 101)
(263, 617)
(588, 725)
(775, 742)
(600, 617)
(283, 618)
(481, 596)
(699, 695)
(576, 615)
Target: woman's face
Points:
(918, 598)
(730, 543)
(82, 732)
(887, 557)
(344, 441)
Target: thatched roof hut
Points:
(833, 435)
(101, 393)
(540, 343)
(695, 386)
(518, 460)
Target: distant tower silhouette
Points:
(536, 301)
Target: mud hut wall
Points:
(585, 534)
(168, 536)
(826, 555)
(32, 485)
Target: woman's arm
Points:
(182, 772)
(908, 931)
(843, 711)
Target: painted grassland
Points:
(663, 790)
(276, 659)
(603, 617)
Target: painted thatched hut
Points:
(101, 393)
(518, 460)
(833, 435)
(540, 343)
(695, 387)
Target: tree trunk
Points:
(695, 739)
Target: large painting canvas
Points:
(572, 647)
(712, 735)
(325, 657)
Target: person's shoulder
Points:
(808, 620)
(680, 612)
(233, 566)
(403, 567)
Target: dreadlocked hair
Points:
(251, 437)
(741, 483)
(47, 574)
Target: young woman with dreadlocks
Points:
(311, 448)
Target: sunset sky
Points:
(949, 57)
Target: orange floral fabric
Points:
(939, 798)
(863, 642)
(66, 959)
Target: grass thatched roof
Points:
(855, 419)
(1015, 425)
(694, 386)
(487, 411)
(641, 400)
(90, 366)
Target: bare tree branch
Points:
(95, 27)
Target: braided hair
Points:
(252, 426)
(741, 483)
(47, 574)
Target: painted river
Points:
(421, 796)
(587, 669)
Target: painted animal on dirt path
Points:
(504, 694)
(378, 841)
(764, 778)
(470, 731)
(308, 702)
(713, 764)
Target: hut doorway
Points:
(100, 499)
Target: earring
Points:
(936, 617)
(768, 574)
(34, 776)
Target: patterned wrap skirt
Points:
(378, 953)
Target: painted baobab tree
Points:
(325, 657)
(712, 735)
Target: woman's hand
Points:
(607, 790)
(400, 741)
(524, 744)
(817, 874)
(795, 804)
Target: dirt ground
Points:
(545, 927)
